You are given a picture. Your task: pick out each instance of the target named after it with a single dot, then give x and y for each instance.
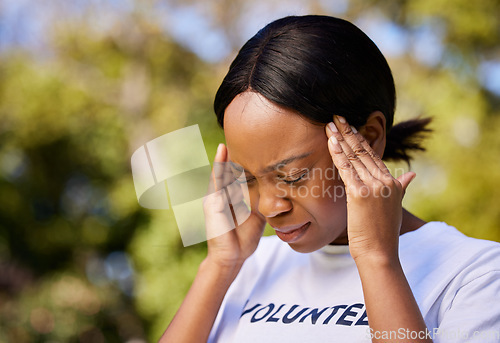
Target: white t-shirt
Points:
(284, 296)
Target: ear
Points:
(374, 132)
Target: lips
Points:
(291, 233)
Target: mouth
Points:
(290, 234)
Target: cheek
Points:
(329, 196)
(327, 200)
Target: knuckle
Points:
(337, 152)
(347, 131)
(360, 151)
(339, 137)
(351, 156)
(345, 165)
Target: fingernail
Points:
(332, 127)
(341, 119)
(219, 148)
(354, 129)
(334, 144)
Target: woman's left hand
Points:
(374, 196)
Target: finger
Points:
(219, 169)
(344, 166)
(235, 192)
(354, 139)
(375, 157)
(362, 149)
(345, 139)
(214, 202)
(226, 176)
(221, 154)
(223, 179)
(375, 164)
(219, 218)
(405, 180)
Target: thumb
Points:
(217, 177)
(405, 180)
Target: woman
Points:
(307, 109)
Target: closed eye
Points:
(290, 180)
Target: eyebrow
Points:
(278, 164)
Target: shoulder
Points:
(455, 279)
(441, 247)
(440, 262)
(438, 242)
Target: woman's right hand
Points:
(231, 248)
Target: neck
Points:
(410, 222)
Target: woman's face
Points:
(291, 178)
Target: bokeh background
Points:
(83, 83)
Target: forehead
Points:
(260, 133)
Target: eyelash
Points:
(288, 182)
(291, 182)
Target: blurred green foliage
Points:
(80, 261)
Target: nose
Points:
(273, 201)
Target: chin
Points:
(306, 248)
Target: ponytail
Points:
(405, 138)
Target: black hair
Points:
(319, 66)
